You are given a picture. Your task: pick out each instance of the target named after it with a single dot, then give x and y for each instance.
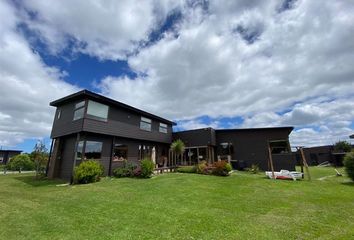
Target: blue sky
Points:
(220, 64)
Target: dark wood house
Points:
(6, 155)
(91, 126)
(242, 147)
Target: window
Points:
(79, 151)
(88, 150)
(279, 146)
(120, 152)
(97, 111)
(79, 110)
(163, 128)
(145, 124)
(93, 150)
(58, 113)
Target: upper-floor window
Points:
(97, 111)
(145, 124)
(79, 110)
(163, 128)
(58, 114)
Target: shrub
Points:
(187, 169)
(20, 162)
(254, 169)
(202, 168)
(147, 168)
(349, 164)
(126, 171)
(221, 168)
(88, 172)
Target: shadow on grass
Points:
(348, 183)
(42, 182)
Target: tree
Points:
(20, 162)
(39, 157)
(178, 147)
(349, 164)
(342, 146)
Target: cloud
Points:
(270, 63)
(204, 67)
(27, 85)
(104, 29)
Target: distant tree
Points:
(20, 163)
(342, 146)
(349, 164)
(178, 147)
(39, 156)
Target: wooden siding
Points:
(67, 157)
(65, 124)
(251, 147)
(122, 129)
(198, 137)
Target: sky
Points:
(220, 64)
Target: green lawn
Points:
(179, 206)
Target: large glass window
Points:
(97, 111)
(163, 128)
(145, 124)
(93, 150)
(79, 110)
(120, 152)
(279, 147)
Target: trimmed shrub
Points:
(88, 172)
(21, 162)
(203, 168)
(342, 146)
(349, 164)
(187, 169)
(221, 168)
(126, 171)
(147, 168)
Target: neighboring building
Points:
(242, 147)
(91, 126)
(6, 155)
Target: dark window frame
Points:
(147, 122)
(163, 128)
(80, 107)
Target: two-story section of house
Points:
(91, 126)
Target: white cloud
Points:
(27, 85)
(105, 29)
(232, 58)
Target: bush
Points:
(202, 168)
(221, 168)
(187, 169)
(147, 168)
(21, 162)
(88, 172)
(126, 171)
(254, 169)
(349, 164)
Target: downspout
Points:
(74, 163)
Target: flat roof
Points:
(106, 100)
(239, 129)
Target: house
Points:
(90, 126)
(242, 147)
(6, 155)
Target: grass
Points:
(179, 206)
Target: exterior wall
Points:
(5, 155)
(66, 157)
(65, 124)
(316, 155)
(198, 137)
(250, 146)
(121, 122)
